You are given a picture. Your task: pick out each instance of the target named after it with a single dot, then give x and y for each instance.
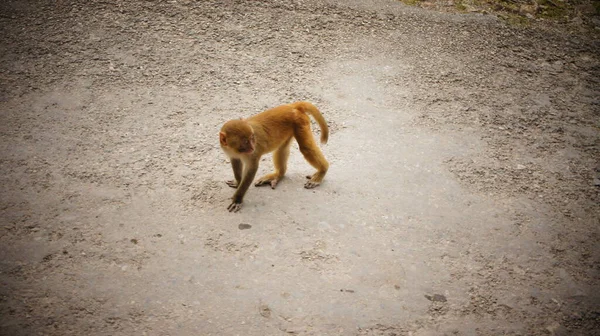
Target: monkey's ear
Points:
(223, 138)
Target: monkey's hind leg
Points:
(280, 158)
(312, 154)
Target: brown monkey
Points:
(246, 140)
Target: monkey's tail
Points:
(311, 109)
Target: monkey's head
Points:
(237, 138)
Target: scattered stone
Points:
(264, 311)
(436, 298)
(555, 329)
(244, 226)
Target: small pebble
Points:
(436, 298)
(244, 226)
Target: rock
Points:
(244, 226)
(436, 298)
(555, 329)
(264, 311)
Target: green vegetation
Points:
(520, 12)
(553, 9)
(460, 6)
(412, 2)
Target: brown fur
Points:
(245, 141)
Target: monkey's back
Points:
(276, 126)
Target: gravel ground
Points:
(463, 196)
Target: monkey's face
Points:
(238, 137)
(243, 144)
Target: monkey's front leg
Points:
(249, 172)
(236, 164)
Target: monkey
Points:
(244, 141)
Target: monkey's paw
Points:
(262, 182)
(311, 184)
(234, 207)
(232, 183)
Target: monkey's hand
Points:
(235, 206)
(232, 183)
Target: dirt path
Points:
(462, 196)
